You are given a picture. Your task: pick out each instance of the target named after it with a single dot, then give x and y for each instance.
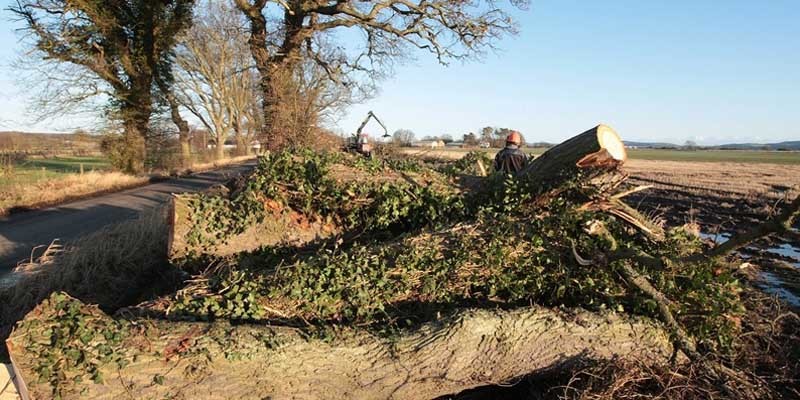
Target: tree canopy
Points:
(126, 45)
(283, 36)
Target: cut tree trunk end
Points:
(218, 361)
(599, 148)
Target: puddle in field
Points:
(787, 250)
(7, 280)
(776, 283)
(717, 238)
(773, 284)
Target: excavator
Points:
(359, 142)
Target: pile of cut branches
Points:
(421, 290)
(319, 193)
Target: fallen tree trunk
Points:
(158, 359)
(597, 148)
(72, 350)
(281, 226)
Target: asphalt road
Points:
(20, 233)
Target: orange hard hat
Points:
(514, 137)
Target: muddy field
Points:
(715, 195)
(722, 198)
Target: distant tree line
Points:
(490, 136)
(78, 143)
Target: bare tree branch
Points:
(447, 29)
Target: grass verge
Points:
(32, 195)
(112, 268)
(57, 186)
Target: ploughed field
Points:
(714, 192)
(719, 156)
(713, 186)
(724, 198)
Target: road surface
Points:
(20, 233)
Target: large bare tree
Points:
(303, 99)
(125, 45)
(215, 77)
(284, 33)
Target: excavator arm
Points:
(364, 123)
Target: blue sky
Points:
(712, 71)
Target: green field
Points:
(735, 156)
(37, 169)
(739, 156)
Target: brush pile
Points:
(385, 278)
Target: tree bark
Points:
(135, 114)
(241, 142)
(183, 128)
(220, 149)
(135, 131)
(275, 69)
(281, 226)
(183, 133)
(258, 49)
(220, 361)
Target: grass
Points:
(719, 156)
(45, 192)
(90, 270)
(39, 182)
(34, 170)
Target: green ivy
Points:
(302, 182)
(72, 345)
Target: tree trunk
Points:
(220, 150)
(183, 131)
(262, 58)
(135, 150)
(274, 69)
(598, 148)
(241, 145)
(135, 114)
(587, 150)
(186, 149)
(221, 361)
(281, 226)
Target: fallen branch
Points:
(631, 191)
(780, 224)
